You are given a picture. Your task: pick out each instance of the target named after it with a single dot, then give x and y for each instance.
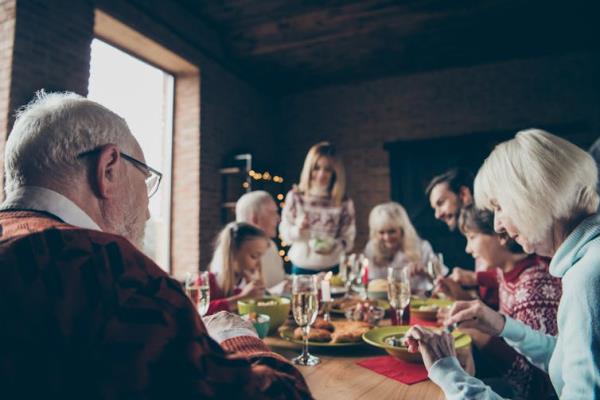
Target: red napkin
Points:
(393, 368)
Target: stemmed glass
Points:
(198, 290)
(398, 290)
(305, 307)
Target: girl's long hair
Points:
(229, 241)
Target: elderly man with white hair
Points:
(542, 190)
(259, 209)
(84, 313)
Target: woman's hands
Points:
(476, 315)
(432, 345)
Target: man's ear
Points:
(465, 195)
(106, 172)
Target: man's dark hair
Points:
(455, 178)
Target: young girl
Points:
(318, 218)
(527, 292)
(235, 267)
(393, 242)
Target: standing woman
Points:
(542, 190)
(318, 219)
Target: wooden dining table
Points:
(338, 377)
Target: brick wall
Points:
(360, 118)
(52, 51)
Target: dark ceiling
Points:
(290, 45)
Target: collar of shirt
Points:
(37, 198)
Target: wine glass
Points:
(398, 290)
(305, 306)
(198, 290)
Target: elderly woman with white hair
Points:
(394, 242)
(542, 190)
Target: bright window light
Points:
(143, 95)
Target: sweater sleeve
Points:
(536, 346)
(457, 384)
(347, 231)
(288, 229)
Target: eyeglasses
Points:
(153, 177)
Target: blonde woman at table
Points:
(318, 218)
(542, 190)
(394, 242)
(235, 270)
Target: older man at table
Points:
(259, 209)
(84, 313)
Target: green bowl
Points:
(262, 323)
(429, 315)
(377, 295)
(277, 308)
(377, 337)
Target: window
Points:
(143, 95)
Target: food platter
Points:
(353, 328)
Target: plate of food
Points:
(328, 334)
(391, 339)
(339, 306)
(426, 309)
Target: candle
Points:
(366, 272)
(325, 290)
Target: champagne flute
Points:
(198, 290)
(305, 306)
(399, 290)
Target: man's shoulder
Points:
(64, 244)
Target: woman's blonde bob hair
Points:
(393, 215)
(337, 186)
(537, 179)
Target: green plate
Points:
(377, 336)
(288, 334)
(380, 303)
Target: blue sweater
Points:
(572, 358)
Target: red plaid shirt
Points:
(86, 315)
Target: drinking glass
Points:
(398, 289)
(198, 290)
(305, 306)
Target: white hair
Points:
(52, 131)
(251, 205)
(538, 178)
(393, 215)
